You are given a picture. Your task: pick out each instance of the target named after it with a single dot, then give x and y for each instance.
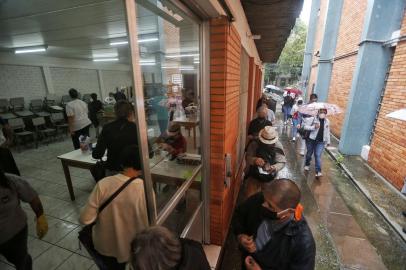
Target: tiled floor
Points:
(59, 249)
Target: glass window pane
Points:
(170, 61)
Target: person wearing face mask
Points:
(296, 118)
(319, 137)
(258, 123)
(271, 230)
(306, 120)
(265, 158)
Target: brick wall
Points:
(29, 82)
(225, 51)
(318, 39)
(349, 36)
(388, 148)
(21, 81)
(83, 80)
(115, 78)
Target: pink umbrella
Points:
(294, 91)
(313, 108)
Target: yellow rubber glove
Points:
(42, 226)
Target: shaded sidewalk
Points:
(386, 198)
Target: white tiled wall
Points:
(29, 82)
(83, 80)
(113, 79)
(21, 81)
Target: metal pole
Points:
(132, 31)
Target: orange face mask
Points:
(298, 212)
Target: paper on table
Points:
(261, 171)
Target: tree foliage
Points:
(291, 59)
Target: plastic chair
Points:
(37, 107)
(86, 98)
(17, 106)
(58, 121)
(4, 110)
(42, 130)
(65, 99)
(20, 133)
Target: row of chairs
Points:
(40, 131)
(15, 107)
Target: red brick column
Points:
(225, 51)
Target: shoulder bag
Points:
(85, 234)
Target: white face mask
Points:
(322, 115)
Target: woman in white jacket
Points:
(319, 137)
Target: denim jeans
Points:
(316, 148)
(294, 127)
(286, 112)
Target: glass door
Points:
(165, 44)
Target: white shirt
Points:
(78, 109)
(121, 220)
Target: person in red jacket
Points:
(173, 141)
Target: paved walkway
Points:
(350, 233)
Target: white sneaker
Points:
(294, 139)
(306, 168)
(302, 153)
(319, 174)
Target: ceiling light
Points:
(31, 49)
(147, 64)
(115, 43)
(147, 40)
(182, 55)
(186, 68)
(196, 62)
(105, 59)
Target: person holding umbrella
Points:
(319, 131)
(319, 137)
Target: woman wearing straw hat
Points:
(266, 158)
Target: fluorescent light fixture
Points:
(196, 62)
(147, 64)
(31, 49)
(186, 68)
(115, 43)
(105, 59)
(182, 55)
(144, 40)
(124, 42)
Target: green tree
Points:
(291, 59)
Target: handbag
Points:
(303, 132)
(85, 234)
(98, 170)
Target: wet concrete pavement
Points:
(349, 232)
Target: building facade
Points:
(358, 63)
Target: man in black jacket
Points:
(117, 135)
(271, 231)
(257, 124)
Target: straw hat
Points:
(173, 129)
(268, 135)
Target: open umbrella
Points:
(294, 91)
(313, 108)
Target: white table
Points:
(84, 160)
(189, 123)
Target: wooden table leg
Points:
(194, 136)
(68, 179)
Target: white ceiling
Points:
(79, 29)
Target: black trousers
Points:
(75, 137)
(7, 162)
(15, 250)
